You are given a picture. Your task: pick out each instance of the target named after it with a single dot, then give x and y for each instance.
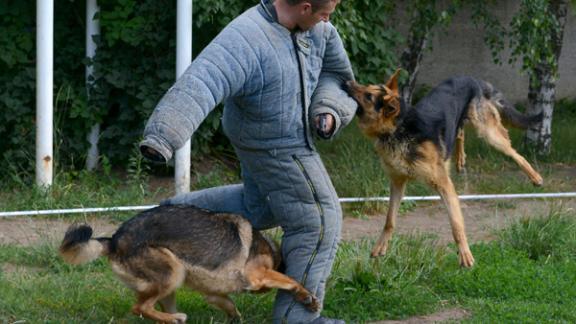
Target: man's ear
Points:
(392, 83)
(305, 7)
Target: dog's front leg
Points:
(397, 186)
(446, 190)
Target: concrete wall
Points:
(461, 51)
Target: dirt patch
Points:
(18, 268)
(481, 219)
(447, 315)
(28, 231)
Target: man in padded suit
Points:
(278, 68)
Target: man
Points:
(278, 68)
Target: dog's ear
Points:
(391, 105)
(392, 83)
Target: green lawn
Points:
(526, 275)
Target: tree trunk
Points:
(410, 60)
(542, 87)
(542, 91)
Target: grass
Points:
(514, 281)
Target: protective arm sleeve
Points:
(329, 97)
(220, 71)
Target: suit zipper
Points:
(322, 225)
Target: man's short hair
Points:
(316, 4)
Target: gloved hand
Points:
(325, 125)
(151, 154)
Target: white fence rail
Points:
(342, 200)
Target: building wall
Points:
(461, 51)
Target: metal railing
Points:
(342, 200)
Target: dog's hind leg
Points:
(489, 127)
(260, 277)
(159, 274)
(459, 153)
(145, 307)
(224, 303)
(397, 186)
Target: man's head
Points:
(305, 14)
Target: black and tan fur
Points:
(163, 248)
(417, 142)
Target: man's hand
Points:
(151, 154)
(324, 125)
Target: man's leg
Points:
(304, 202)
(244, 199)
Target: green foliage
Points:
(369, 39)
(506, 286)
(384, 284)
(532, 35)
(493, 30)
(552, 236)
(134, 65)
(428, 14)
(17, 76)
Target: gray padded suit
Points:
(272, 82)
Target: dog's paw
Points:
(310, 301)
(537, 181)
(461, 169)
(378, 250)
(466, 259)
(234, 320)
(179, 318)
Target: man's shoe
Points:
(326, 320)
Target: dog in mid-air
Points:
(418, 142)
(161, 249)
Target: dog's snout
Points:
(359, 111)
(348, 86)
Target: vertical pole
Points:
(183, 59)
(92, 29)
(44, 92)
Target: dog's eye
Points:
(368, 97)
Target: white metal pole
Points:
(92, 29)
(44, 94)
(183, 59)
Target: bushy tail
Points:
(79, 247)
(508, 113)
(517, 119)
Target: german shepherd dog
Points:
(417, 142)
(161, 249)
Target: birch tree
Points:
(536, 36)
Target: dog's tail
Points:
(514, 118)
(508, 113)
(79, 247)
